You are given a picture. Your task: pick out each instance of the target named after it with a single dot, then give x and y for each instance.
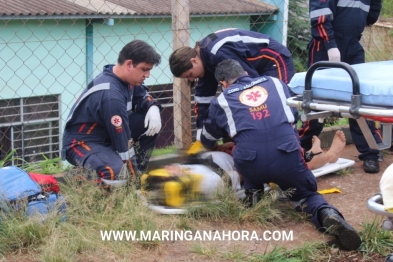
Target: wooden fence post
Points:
(181, 90)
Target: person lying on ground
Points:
(331, 155)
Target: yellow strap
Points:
(390, 210)
(195, 148)
(329, 191)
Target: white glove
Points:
(334, 55)
(198, 134)
(153, 120)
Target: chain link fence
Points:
(50, 50)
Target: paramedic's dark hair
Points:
(228, 70)
(139, 51)
(179, 60)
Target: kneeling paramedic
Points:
(254, 113)
(113, 114)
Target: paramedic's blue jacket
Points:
(247, 105)
(257, 53)
(100, 115)
(254, 112)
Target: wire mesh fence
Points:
(50, 50)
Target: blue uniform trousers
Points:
(352, 53)
(275, 156)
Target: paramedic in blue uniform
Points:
(114, 109)
(336, 28)
(254, 113)
(259, 54)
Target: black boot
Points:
(253, 196)
(333, 223)
(389, 258)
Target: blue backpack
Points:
(18, 191)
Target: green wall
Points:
(41, 57)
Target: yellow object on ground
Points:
(329, 191)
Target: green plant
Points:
(230, 208)
(387, 8)
(164, 151)
(234, 255)
(201, 249)
(344, 171)
(7, 159)
(335, 121)
(307, 252)
(18, 232)
(47, 166)
(375, 239)
(298, 33)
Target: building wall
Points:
(43, 57)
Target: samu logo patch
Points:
(253, 97)
(117, 121)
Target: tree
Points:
(299, 33)
(387, 9)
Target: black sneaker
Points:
(253, 196)
(371, 165)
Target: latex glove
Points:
(153, 120)
(198, 134)
(226, 147)
(334, 55)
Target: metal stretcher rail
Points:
(319, 108)
(375, 205)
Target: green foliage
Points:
(387, 8)
(164, 151)
(298, 33)
(18, 232)
(308, 252)
(47, 166)
(8, 158)
(375, 239)
(229, 208)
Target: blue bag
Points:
(19, 191)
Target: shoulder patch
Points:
(254, 96)
(116, 121)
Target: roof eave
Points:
(101, 16)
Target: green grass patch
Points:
(164, 151)
(308, 252)
(376, 240)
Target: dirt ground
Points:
(356, 187)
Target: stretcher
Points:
(362, 92)
(328, 168)
(375, 205)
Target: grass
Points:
(344, 171)
(7, 159)
(92, 210)
(329, 121)
(307, 252)
(203, 249)
(375, 239)
(164, 151)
